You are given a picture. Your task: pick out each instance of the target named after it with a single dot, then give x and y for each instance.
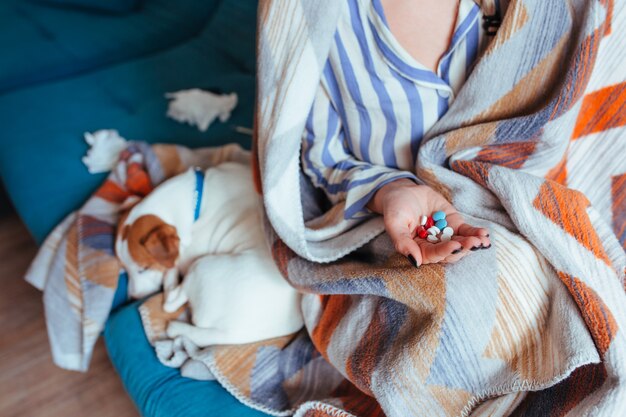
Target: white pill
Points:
(423, 220)
(434, 230)
(432, 239)
(448, 231)
(445, 238)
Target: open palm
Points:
(403, 202)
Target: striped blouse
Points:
(376, 102)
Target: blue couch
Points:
(65, 70)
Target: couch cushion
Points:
(42, 145)
(113, 6)
(42, 42)
(159, 391)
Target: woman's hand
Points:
(402, 203)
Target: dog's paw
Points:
(175, 329)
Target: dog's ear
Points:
(125, 231)
(152, 243)
(162, 244)
(124, 211)
(122, 229)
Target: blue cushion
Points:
(113, 6)
(159, 391)
(40, 42)
(42, 143)
(120, 298)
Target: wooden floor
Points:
(30, 384)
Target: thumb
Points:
(404, 244)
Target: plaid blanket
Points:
(530, 148)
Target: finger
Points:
(465, 229)
(437, 252)
(404, 244)
(454, 220)
(485, 242)
(479, 232)
(452, 258)
(469, 243)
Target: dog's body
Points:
(235, 292)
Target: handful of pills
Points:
(435, 228)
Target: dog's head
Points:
(147, 247)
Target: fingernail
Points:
(486, 247)
(475, 248)
(413, 261)
(454, 252)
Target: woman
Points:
(394, 69)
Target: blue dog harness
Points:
(197, 195)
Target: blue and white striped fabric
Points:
(376, 102)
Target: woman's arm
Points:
(329, 163)
(366, 189)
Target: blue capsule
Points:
(441, 224)
(439, 215)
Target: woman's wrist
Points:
(377, 202)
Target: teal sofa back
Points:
(42, 42)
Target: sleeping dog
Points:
(206, 227)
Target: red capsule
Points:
(422, 233)
(429, 223)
